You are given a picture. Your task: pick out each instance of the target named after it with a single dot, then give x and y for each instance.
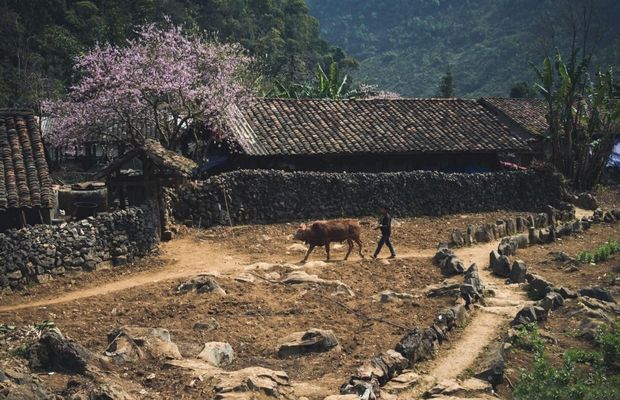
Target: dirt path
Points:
(481, 330)
(185, 258)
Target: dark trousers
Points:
(385, 240)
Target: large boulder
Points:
(217, 354)
(598, 293)
(490, 368)
(54, 352)
(500, 265)
(382, 368)
(507, 247)
(586, 201)
(452, 266)
(418, 345)
(132, 343)
(552, 301)
(518, 271)
(311, 341)
(529, 315)
(201, 284)
(302, 277)
(538, 286)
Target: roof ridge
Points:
(369, 100)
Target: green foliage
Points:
(324, 86)
(39, 39)
(608, 341)
(527, 338)
(446, 85)
(602, 253)
(522, 90)
(570, 382)
(404, 45)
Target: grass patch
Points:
(601, 381)
(602, 253)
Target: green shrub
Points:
(602, 253)
(527, 338)
(545, 381)
(608, 339)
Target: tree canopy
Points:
(39, 39)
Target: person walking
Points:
(385, 225)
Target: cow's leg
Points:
(359, 244)
(308, 253)
(350, 243)
(327, 250)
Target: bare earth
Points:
(253, 316)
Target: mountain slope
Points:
(407, 45)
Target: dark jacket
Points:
(385, 225)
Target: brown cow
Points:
(322, 233)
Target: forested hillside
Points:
(407, 45)
(40, 38)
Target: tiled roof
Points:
(305, 127)
(24, 175)
(158, 154)
(529, 114)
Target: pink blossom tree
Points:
(162, 82)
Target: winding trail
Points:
(185, 257)
(455, 357)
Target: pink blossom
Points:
(162, 79)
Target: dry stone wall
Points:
(38, 253)
(264, 196)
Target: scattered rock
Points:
(207, 326)
(538, 287)
(586, 201)
(245, 278)
(598, 293)
(528, 315)
(110, 392)
(363, 389)
(54, 352)
(388, 296)
(567, 293)
(297, 248)
(490, 368)
(507, 247)
(217, 354)
(311, 341)
(382, 368)
(252, 379)
(518, 271)
(552, 301)
(131, 343)
(452, 290)
(201, 284)
(418, 345)
(500, 265)
(301, 277)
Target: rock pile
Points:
(259, 196)
(38, 253)
(418, 344)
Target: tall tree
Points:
(446, 85)
(163, 80)
(522, 90)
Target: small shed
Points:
(137, 177)
(26, 196)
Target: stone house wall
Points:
(37, 253)
(266, 196)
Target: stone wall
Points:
(264, 196)
(38, 253)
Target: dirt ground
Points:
(254, 316)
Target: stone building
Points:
(26, 196)
(453, 135)
(138, 177)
